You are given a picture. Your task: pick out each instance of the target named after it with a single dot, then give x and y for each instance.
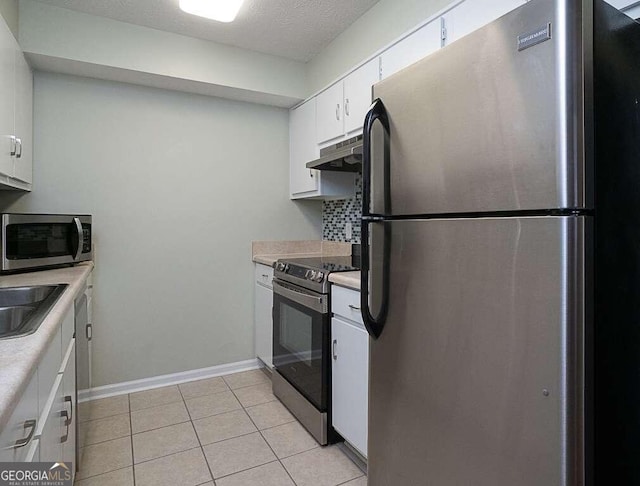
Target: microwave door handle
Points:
(80, 237)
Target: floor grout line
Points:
(102, 474)
(248, 469)
(169, 455)
(269, 445)
(133, 462)
(201, 446)
(158, 428)
(215, 414)
(205, 456)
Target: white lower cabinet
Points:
(350, 378)
(17, 435)
(263, 318)
(53, 424)
(70, 407)
(33, 452)
(43, 424)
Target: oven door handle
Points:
(314, 302)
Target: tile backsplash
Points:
(335, 214)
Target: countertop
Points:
(19, 357)
(267, 252)
(350, 280)
(271, 259)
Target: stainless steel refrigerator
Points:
(501, 256)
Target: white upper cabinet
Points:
(412, 48)
(23, 160)
(341, 108)
(306, 183)
(329, 113)
(303, 148)
(7, 98)
(16, 113)
(357, 95)
(473, 14)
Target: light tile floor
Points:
(226, 431)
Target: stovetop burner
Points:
(312, 272)
(326, 263)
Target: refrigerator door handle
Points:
(374, 324)
(377, 112)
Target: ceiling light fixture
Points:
(220, 10)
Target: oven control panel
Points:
(300, 272)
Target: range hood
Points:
(342, 157)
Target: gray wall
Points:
(179, 185)
(9, 11)
(380, 25)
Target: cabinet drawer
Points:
(264, 275)
(346, 303)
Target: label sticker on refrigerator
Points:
(534, 38)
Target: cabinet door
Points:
(350, 382)
(54, 426)
(33, 452)
(303, 148)
(411, 49)
(329, 113)
(21, 424)
(24, 119)
(70, 402)
(7, 97)
(264, 324)
(473, 14)
(357, 94)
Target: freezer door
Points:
(485, 125)
(476, 377)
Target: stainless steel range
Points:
(302, 340)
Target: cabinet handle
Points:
(69, 400)
(13, 149)
(65, 416)
(29, 424)
(310, 173)
(88, 332)
(19, 143)
(346, 106)
(353, 307)
(337, 111)
(333, 349)
(265, 275)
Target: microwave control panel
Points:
(86, 238)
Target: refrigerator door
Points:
(476, 377)
(491, 122)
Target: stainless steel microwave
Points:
(32, 241)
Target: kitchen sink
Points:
(22, 309)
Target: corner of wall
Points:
(9, 11)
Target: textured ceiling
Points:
(295, 29)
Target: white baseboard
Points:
(166, 380)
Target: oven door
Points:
(40, 240)
(301, 340)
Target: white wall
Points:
(179, 185)
(380, 25)
(60, 39)
(9, 11)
